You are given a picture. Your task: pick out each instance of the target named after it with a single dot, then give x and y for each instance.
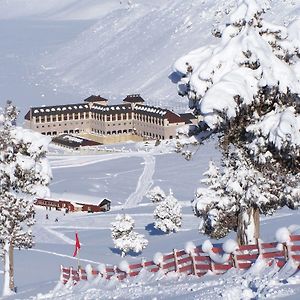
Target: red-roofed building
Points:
(71, 206)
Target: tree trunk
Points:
(11, 268)
(8, 277)
(248, 226)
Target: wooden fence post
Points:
(71, 275)
(115, 271)
(143, 260)
(61, 274)
(194, 272)
(235, 260)
(175, 260)
(260, 250)
(79, 273)
(104, 273)
(212, 266)
(285, 251)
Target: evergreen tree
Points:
(24, 174)
(247, 89)
(234, 198)
(167, 215)
(156, 194)
(124, 237)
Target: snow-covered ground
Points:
(125, 178)
(60, 51)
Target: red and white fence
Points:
(197, 262)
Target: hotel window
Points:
(76, 116)
(65, 117)
(48, 119)
(70, 116)
(81, 116)
(42, 119)
(54, 118)
(59, 118)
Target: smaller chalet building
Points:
(96, 120)
(71, 206)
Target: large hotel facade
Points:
(98, 121)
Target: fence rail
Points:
(196, 262)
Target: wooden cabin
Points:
(71, 206)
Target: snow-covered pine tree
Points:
(156, 194)
(24, 174)
(247, 87)
(167, 215)
(233, 199)
(124, 237)
(122, 226)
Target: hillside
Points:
(133, 50)
(57, 9)
(63, 51)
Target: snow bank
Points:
(283, 235)
(124, 266)
(158, 258)
(230, 246)
(207, 246)
(190, 247)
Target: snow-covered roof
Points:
(52, 110)
(134, 98)
(120, 108)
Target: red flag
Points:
(77, 244)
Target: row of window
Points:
(62, 117)
(119, 124)
(99, 117)
(152, 135)
(124, 131)
(149, 119)
(54, 125)
(65, 131)
(114, 117)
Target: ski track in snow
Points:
(144, 183)
(60, 236)
(80, 161)
(64, 255)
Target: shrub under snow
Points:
(167, 215)
(124, 237)
(156, 194)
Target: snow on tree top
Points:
(249, 57)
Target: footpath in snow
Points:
(144, 182)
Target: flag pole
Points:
(77, 249)
(78, 263)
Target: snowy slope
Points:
(94, 175)
(62, 51)
(133, 50)
(58, 9)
